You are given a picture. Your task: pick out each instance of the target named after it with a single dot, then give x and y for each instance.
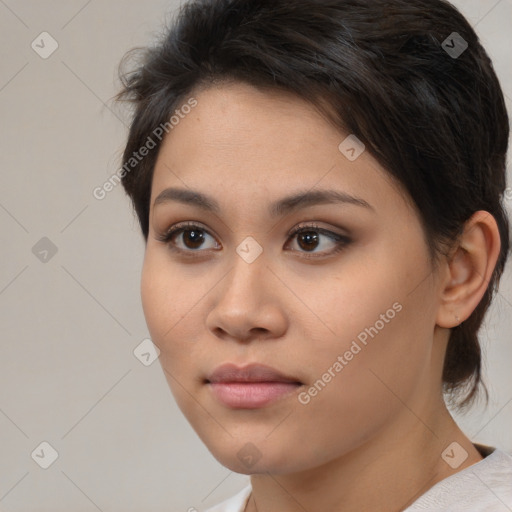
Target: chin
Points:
(247, 457)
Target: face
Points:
(344, 308)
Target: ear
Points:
(469, 269)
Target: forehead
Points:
(245, 145)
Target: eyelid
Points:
(182, 226)
(312, 226)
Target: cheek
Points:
(351, 399)
(156, 304)
(358, 301)
(167, 295)
(372, 334)
(166, 300)
(165, 304)
(170, 299)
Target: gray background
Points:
(69, 326)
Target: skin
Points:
(372, 439)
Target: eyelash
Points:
(340, 240)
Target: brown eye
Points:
(310, 237)
(186, 237)
(192, 236)
(308, 240)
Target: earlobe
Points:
(469, 269)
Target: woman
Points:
(319, 184)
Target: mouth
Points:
(250, 387)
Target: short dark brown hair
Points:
(379, 69)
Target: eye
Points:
(189, 237)
(309, 237)
(192, 237)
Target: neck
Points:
(387, 473)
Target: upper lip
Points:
(230, 372)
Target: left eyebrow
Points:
(304, 199)
(283, 206)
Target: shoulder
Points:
(483, 487)
(236, 503)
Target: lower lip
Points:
(251, 395)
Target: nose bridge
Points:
(245, 303)
(249, 266)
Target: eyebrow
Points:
(284, 206)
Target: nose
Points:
(248, 303)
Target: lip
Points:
(250, 387)
(230, 372)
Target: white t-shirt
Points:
(483, 487)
